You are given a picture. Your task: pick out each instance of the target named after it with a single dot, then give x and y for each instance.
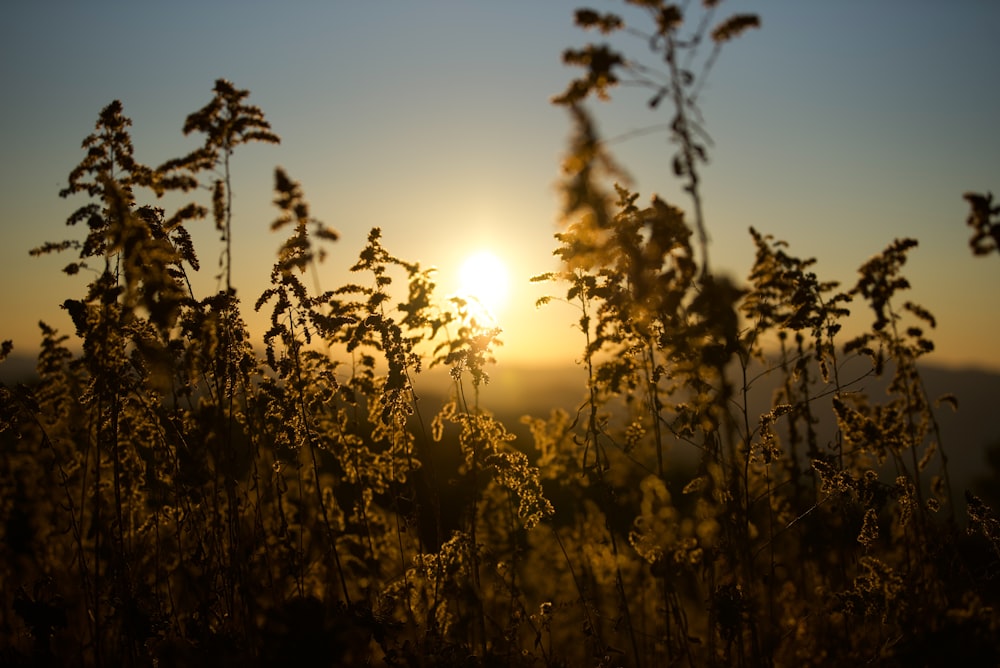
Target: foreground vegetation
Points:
(172, 496)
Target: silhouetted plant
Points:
(984, 219)
(681, 364)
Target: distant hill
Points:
(17, 369)
(966, 434)
(514, 391)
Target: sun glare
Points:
(483, 280)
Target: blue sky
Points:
(838, 126)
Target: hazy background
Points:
(838, 127)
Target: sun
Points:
(483, 281)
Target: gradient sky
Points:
(838, 127)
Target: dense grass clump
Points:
(173, 496)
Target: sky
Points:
(838, 126)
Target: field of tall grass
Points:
(172, 495)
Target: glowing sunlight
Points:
(484, 280)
